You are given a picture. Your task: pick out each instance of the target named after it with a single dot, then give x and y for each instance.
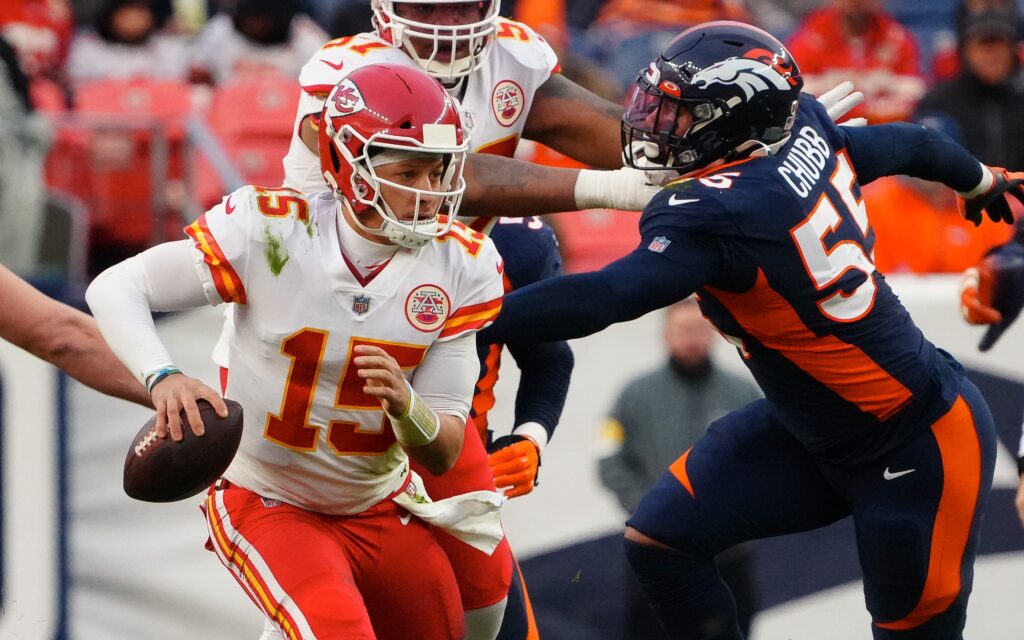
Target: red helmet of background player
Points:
(387, 113)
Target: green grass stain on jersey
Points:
(309, 227)
(275, 255)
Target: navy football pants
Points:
(917, 513)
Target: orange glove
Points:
(975, 286)
(992, 292)
(515, 463)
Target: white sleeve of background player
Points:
(447, 376)
(338, 58)
(124, 297)
(222, 246)
(528, 48)
(478, 299)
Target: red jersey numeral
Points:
(291, 428)
(512, 30)
(472, 241)
(280, 203)
(361, 48)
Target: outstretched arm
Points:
(64, 337)
(579, 305)
(901, 148)
(577, 123)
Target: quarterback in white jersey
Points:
(354, 350)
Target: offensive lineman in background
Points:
(354, 352)
(507, 79)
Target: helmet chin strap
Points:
(395, 232)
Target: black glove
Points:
(993, 202)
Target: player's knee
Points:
(684, 590)
(654, 562)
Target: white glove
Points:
(841, 100)
(626, 189)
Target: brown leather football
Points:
(163, 470)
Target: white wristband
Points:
(419, 425)
(987, 179)
(536, 432)
(626, 189)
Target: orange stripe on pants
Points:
(246, 575)
(960, 451)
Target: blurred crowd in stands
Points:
(119, 119)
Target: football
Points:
(162, 470)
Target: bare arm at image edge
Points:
(64, 337)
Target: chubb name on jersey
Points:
(804, 161)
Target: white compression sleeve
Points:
(123, 299)
(446, 377)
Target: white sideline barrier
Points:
(29, 449)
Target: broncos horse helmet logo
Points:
(757, 70)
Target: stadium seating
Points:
(252, 121)
(118, 152)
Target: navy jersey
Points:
(795, 290)
(779, 249)
(530, 253)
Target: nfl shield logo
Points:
(659, 244)
(361, 304)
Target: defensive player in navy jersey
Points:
(862, 416)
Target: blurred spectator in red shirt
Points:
(918, 227)
(40, 31)
(128, 40)
(857, 40)
(985, 98)
(258, 37)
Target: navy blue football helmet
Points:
(719, 90)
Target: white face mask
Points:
(418, 231)
(443, 60)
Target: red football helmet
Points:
(386, 113)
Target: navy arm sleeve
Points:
(911, 149)
(578, 305)
(531, 254)
(545, 369)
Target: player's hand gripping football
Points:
(992, 293)
(383, 376)
(176, 392)
(515, 463)
(993, 198)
